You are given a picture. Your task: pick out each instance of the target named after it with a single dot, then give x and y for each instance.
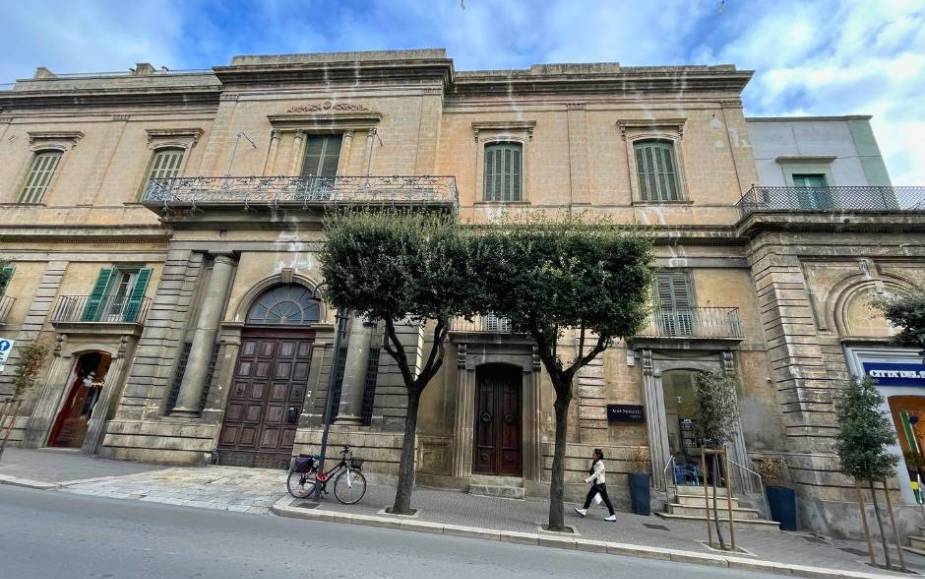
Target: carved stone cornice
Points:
(675, 125)
(41, 136)
(325, 120)
(188, 136)
(525, 127)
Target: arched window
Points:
(657, 169)
(503, 172)
(285, 305)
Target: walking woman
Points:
(598, 486)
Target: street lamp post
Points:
(339, 329)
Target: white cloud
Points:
(824, 57)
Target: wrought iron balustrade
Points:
(6, 304)
(309, 191)
(832, 199)
(482, 325)
(109, 310)
(716, 323)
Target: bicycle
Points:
(304, 480)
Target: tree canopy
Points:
(864, 433)
(907, 311)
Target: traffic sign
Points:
(6, 346)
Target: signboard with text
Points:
(896, 374)
(631, 413)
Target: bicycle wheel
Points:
(349, 486)
(300, 484)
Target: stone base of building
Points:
(842, 519)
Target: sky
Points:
(825, 57)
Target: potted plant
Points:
(782, 500)
(640, 481)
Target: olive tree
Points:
(552, 277)
(863, 440)
(716, 419)
(401, 267)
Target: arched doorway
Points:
(498, 420)
(680, 420)
(70, 427)
(270, 378)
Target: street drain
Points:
(857, 552)
(656, 527)
(306, 505)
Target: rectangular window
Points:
(674, 302)
(503, 172)
(117, 295)
(165, 164)
(322, 154)
(44, 165)
(6, 274)
(812, 191)
(657, 171)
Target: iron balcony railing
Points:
(717, 323)
(6, 304)
(832, 199)
(301, 191)
(482, 324)
(109, 310)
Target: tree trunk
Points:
(719, 532)
(557, 479)
(402, 505)
(886, 549)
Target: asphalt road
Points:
(56, 534)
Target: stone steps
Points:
(506, 487)
(739, 514)
(698, 491)
(697, 501)
(688, 505)
(757, 524)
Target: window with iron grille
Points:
(41, 171)
(6, 274)
(503, 172)
(165, 164)
(178, 376)
(369, 394)
(498, 325)
(657, 170)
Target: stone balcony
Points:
(82, 314)
(280, 192)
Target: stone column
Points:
(210, 314)
(353, 385)
(298, 151)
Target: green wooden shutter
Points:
(656, 170)
(503, 172)
(43, 167)
(675, 302)
(136, 299)
(94, 306)
(6, 274)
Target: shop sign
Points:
(631, 413)
(895, 374)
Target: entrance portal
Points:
(266, 398)
(498, 421)
(70, 427)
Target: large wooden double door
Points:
(267, 393)
(498, 421)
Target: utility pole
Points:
(339, 330)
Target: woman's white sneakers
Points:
(611, 518)
(582, 512)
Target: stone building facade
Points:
(163, 230)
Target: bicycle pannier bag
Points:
(303, 463)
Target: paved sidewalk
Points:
(54, 466)
(527, 516)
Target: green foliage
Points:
(864, 433)
(907, 312)
(390, 265)
(29, 365)
(717, 414)
(567, 273)
(5, 274)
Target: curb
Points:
(282, 509)
(28, 483)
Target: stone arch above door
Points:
(254, 294)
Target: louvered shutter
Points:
(133, 308)
(657, 171)
(675, 302)
(43, 167)
(503, 172)
(93, 309)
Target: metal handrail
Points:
(764, 507)
(666, 478)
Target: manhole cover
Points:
(656, 527)
(857, 552)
